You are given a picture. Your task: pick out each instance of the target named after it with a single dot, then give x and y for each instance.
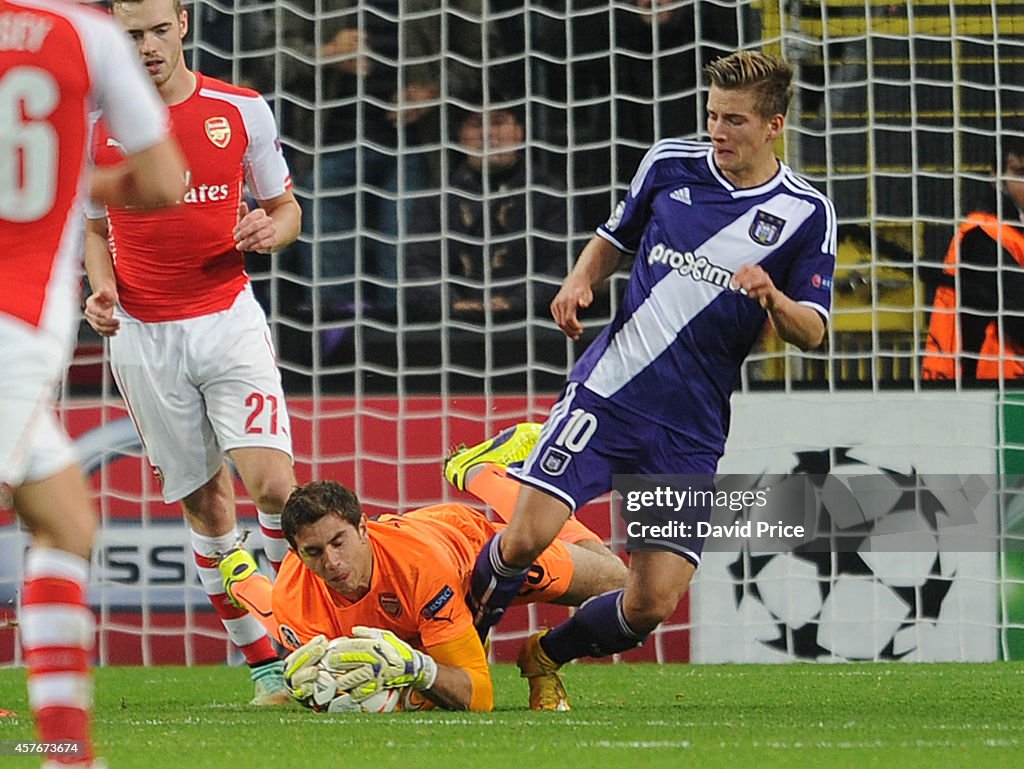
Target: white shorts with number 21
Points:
(200, 387)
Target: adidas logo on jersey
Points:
(689, 264)
(681, 195)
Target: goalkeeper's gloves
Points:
(236, 566)
(300, 668)
(393, 662)
(312, 680)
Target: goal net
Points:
(411, 314)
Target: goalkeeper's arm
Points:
(463, 677)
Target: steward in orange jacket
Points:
(983, 279)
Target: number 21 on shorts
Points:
(263, 414)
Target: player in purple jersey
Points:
(725, 236)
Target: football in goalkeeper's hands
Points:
(327, 697)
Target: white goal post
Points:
(897, 115)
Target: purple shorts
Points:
(586, 441)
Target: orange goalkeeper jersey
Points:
(422, 562)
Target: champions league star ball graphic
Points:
(869, 583)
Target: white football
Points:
(327, 698)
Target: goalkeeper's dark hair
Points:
(309, 503)
(770, 76)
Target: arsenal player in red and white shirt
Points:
(58, 62)
(189, 345)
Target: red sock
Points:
(243, 629)
(58, 632)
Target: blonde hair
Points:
(771, 76)
(177, 4)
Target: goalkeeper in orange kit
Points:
(399, 583)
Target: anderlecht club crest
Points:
(766, 228)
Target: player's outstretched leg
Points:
(494, 583)
(541, 672)
(511, 445)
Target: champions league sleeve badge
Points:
(766, 228)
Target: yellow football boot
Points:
(511, 445)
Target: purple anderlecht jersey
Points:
(673, 352)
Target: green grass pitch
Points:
(631, 716)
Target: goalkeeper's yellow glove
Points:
(356, 669)
(313, 681)
(236, 566)
(393, 662)
(300, 668)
